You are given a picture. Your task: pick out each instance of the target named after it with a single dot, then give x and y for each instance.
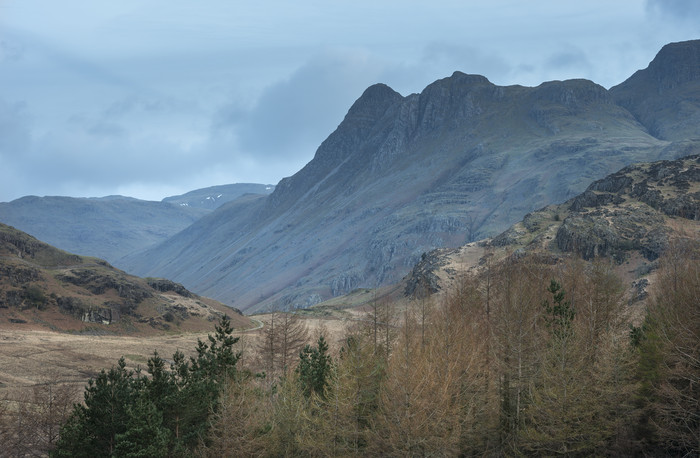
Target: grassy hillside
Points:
(42, 286)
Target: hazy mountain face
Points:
(461, 161)
(115, 226)
(108, 228)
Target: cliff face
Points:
(400, 176)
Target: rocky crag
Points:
(630, 217)
(460, 161)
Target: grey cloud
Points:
(11, 51)
(15, 130)
(685, 10)
(294, 116)
(90, 155)
(572, 59)
(98, 159)
(106, 129)
(58, 62)
(152, 104)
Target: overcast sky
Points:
(152, 98)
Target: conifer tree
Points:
(124, 410)
(314, 369)
(145, 435)
(93, 427)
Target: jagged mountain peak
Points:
(574, 92)
(675, 63)
(373, 102)
(459, 80)
(665, 96)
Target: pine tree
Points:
(145, 435)
(314, 369)
(124, 410)
(199, 383)
(92, 428)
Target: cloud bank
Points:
(158, 98)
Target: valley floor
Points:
(29, 357)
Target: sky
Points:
(153, 98)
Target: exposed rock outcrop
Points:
(98, 283)
(38, 280)
(422, 281)
(164, 285)
(632, 217)
(626, 211)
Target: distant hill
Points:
(215, 196)
(460, 161)
(42, 286)
(114, 226)
(107, 228)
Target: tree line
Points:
(524, 358)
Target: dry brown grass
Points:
(28, 352)
(27, 355)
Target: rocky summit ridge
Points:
(665, 97)
(400, 176)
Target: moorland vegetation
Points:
(522, 358)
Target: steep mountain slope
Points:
(632, 217)
(402, 175)
(42, 285)
(215, 196)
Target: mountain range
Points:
(460, 161)
(114, 226)
(402, 175)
